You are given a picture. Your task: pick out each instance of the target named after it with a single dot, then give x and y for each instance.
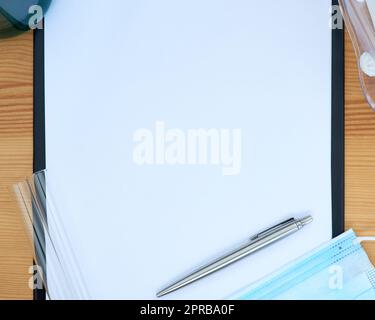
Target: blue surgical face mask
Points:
(338, 270)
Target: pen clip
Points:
(272, 229)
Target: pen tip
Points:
(161, 294)
(168, 290)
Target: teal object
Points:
(338, 270)
(18, 16)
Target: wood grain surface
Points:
(16, 119)
(16, 154)
(359, 154)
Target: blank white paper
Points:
(116, 67)
(371, 8)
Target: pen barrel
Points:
(263, 240)
(258, 244)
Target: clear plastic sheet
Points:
(359, 16)
(62, 278)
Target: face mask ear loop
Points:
(359, 240)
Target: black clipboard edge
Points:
(39, 145)
(338, 130)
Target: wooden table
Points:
(16, 154)
(16, 137)
(359, 154)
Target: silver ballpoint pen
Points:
(257, 242)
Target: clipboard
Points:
(337, 162)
